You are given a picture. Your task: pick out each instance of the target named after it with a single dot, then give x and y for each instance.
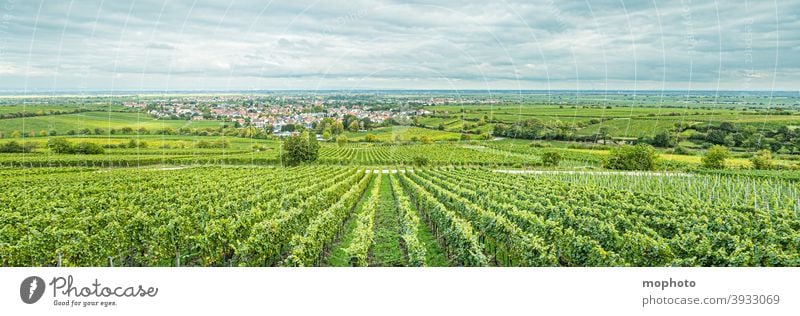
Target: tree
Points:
(353, 127)
(762, 160)
(715, 157)
(326, 134)
(604, 132)
(727, 127)
(367, 124)
(420, 161)
(425, 139)
(15, 134)
(349, 119)
(551, 159)
(441, 127)
(716, 136)
(300, 148)
(337, 128)
(313, 146)
(88, 148)
(664, 139)
(638, 157)
(59, 145)
(324, 124)
(288, 128)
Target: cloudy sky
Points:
(324, 44)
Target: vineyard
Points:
(327, 215)
(243, 153)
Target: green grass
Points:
(405, 133)
(566, 112)
(434, 256)
(92, 120)
(625, 121)
(44, 109)
(623, 127)
(386, 251)
(338, 256)
(156, 142)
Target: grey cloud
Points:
(412, 44)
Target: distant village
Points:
(274, 113)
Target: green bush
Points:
(341, 140)
(626, 157)
(300, 148)
(680, 150)
(540, 145)
(15, 147)
(59, 146)
(62, 146)
(762, 160)
(715, 157)
(370, 138)
(551, 158)
(420, 161)
(87, 148)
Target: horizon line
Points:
(76, 91)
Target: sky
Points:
(119, 45)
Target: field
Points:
(621, 120)
(91, 120)
(425, 193)
(403, 133)
(179, 150)
(342, 216)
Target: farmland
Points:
(327, 215)
(62, 124)
(622, 121)
(193, 181)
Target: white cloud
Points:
(399, 44)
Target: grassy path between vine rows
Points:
(386, 251)
(338, 256)
(434, 255)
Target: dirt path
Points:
(601, 173)
(387, 171)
